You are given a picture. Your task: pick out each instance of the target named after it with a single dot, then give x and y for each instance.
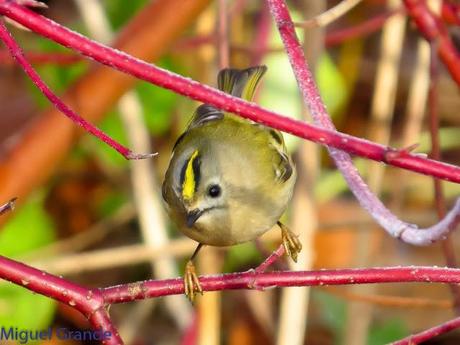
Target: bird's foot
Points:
(191, 283)
(291, 242)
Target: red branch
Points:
(37, 58)
(359, 30)
(93, 303)
(195, 90)
(434, 30)
(89, 303)
(409, 233)
(450, 13)
(259, 47)
(18, 55)
(252, 280)
(429, 333)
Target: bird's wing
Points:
(283, 165)
(204, 114)
(243, 83)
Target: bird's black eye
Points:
(214, 191)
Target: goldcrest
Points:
(229, 180)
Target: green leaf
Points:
(23, 309)
(29, 228)
(112, 126)
(120, 11)
(157, 106)
(387, 332)
(158, 103)
(112, 203)
(333, 312)
(331, 183)
(331, 84)
(240, 256)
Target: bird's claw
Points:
(291, 242)
(191, 283)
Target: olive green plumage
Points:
(229, 180)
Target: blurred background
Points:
(87, 214)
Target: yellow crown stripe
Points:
(188, 187)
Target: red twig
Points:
(93, 302)
(222, 34)
(193, 42)
(18, 55)
(433, 30)
(262, 36)
(272, 258)
(359, 30)
(450, 13)
(409, 233)
(429, 333)
(253, 280)
(197, 91)
(440, 202)
(259, 48)
(61, 59)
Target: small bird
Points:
(229, 180)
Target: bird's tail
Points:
(240, 82)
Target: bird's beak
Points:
(193, 216)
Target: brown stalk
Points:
(35, 157)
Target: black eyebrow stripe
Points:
(182, 173)
(196, 165)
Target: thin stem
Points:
(450, 13)
(197, 91)
(330, 15)
(18, 55)
(332, 38)
(271, 259)
(362, 29)
(390, 301)
(92, 302)
(38, 58)
(430, 333)
(408, 233)
(433, 29)
(252, 280)
(222, 34)
(262, 36)
(9, 206)
(440, 202)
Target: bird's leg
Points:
(191, 282)
(291, 242)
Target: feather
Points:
(240, 83)
(204, 114)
